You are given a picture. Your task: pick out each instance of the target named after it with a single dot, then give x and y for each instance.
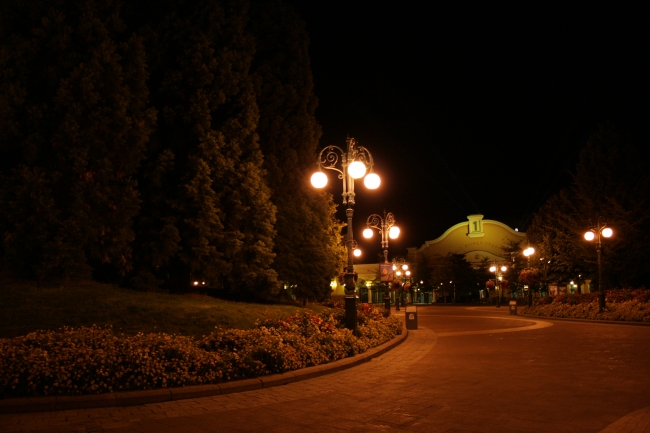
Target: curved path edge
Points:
(132, 398)
(575, 319)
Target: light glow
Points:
(493, 268)
(357, 169)
(590, 235)
(357, 252)
(367, 233)
(607, 232)
(372, 181)
(393, 233)
(319, 179)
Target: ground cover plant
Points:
(632, 305)
(91, 360)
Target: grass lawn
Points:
(26, 308)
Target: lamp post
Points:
(351, 163)
(399, 267)
(387, 228)
(498, 271)
(597, 231)
(529, 252)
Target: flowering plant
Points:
(489, 284)
(93, 360)
(396, 285)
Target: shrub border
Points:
(575, 319)
(132, 398)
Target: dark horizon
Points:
(466, 111)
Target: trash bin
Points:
(513, 307)
(411, 315)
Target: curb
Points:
(572, 319)
(133, 398)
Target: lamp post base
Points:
(601, 302)
(351, 312)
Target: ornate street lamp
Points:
(498, 274)
(401, 270)
(351, 164)
(529, 252)
(387, 228)
(593, 233)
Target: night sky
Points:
(472, 109)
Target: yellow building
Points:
(476, 238)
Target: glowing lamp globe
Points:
(367, 233)
(319, 179)
(493, 268)
(590, 236)
(393, 233)
(357, 252)
(357, 169)
(405, 267)
(607, 232)
(503, 268)
(371, 181)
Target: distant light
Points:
(357, 169)
(319, 179)
(493, 268)
(504, 268)
(590, 235)
(196, 283)
(393, 233)
(516, 230)
(203, 283)
(367, 233)
(372, 181)
(608, 232)
(405, 267)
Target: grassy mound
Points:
(27, 308)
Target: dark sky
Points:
(472, 109)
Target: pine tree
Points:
(74, 125)
(308, 243)
(610, 183)
(204, 179)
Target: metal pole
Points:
(350, 295)
(601, 289)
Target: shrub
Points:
(622, 304)
(92, 360)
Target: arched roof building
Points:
(476, 238)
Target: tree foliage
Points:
(74, 123)
(611, 183)
(308, 247)
(162, 143)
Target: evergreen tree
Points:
(208, 215)
(611, 183)
(74, 123)
(308, 244)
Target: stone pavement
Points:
(463, 370)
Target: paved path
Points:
(463, 370)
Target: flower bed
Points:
(631, 305)
(93, 360)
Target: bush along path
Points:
(630, 305)
(94, 360)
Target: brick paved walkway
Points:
(464, 370)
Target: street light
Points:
(352, 163)
(400, 267)
(529, 252)
(593, 233)
(498, 271)
(387, 228)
